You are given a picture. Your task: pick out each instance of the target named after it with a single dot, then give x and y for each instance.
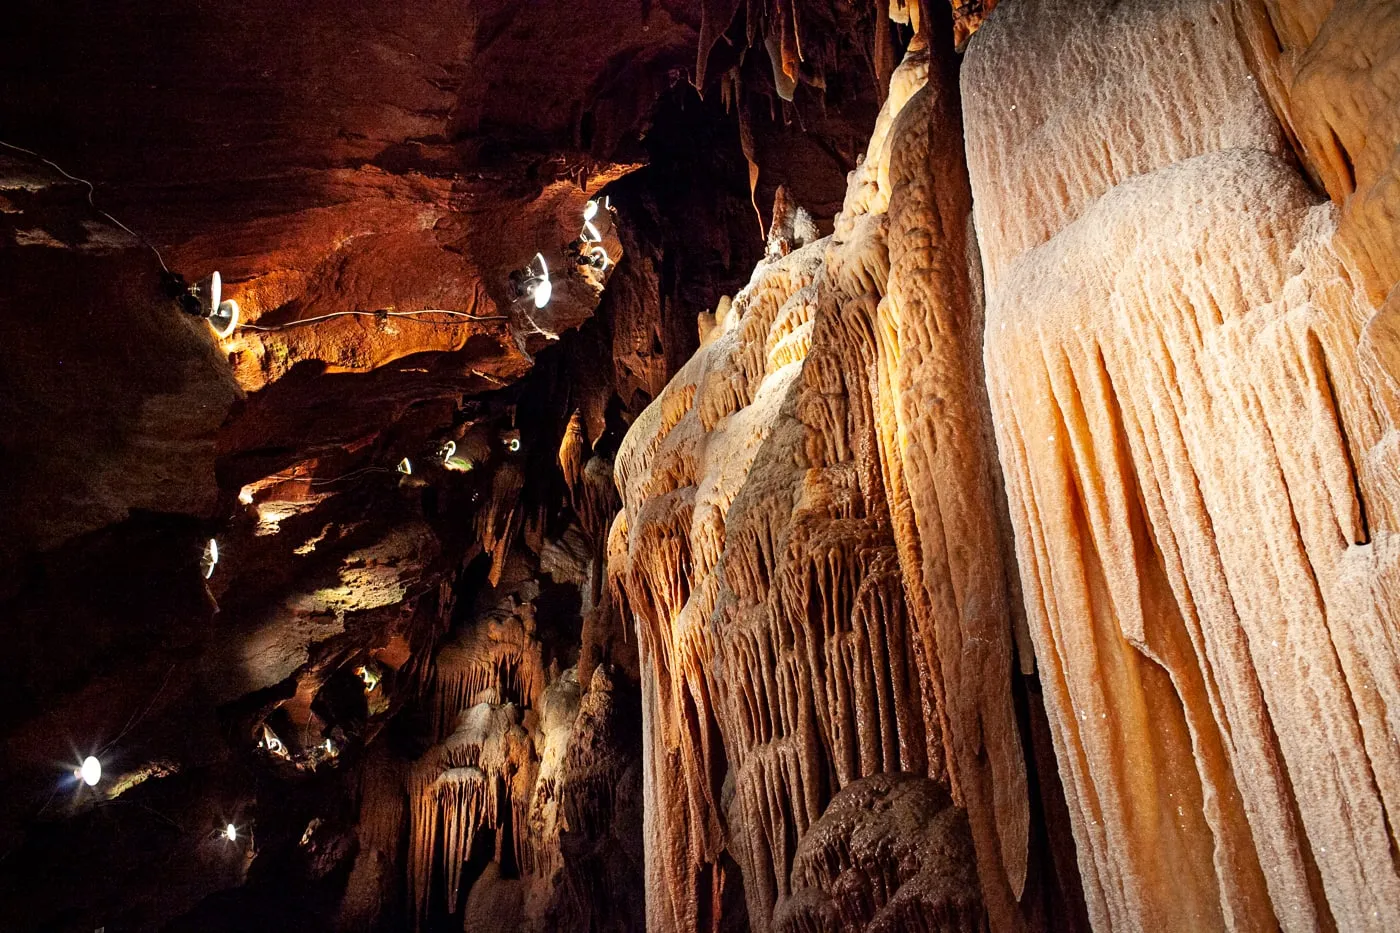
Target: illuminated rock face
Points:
(799, 629)
(1178, 397)
(1194, 436)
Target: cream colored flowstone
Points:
(1187, 431)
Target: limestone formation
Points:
(796, 636)
(1001, 537)
(1186, 429)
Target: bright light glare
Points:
(231, 833)
(590, 210)
(543, 289)
(91, 771)
(405, 467)
(211, 558)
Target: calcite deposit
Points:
(701, 466)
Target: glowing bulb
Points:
(513, 445)
(405, 467)
(91, 771)
(590, 210)
(543, 289)
(211, 558)
(369, 676)
(245, 495)
(330, 749)
(272, 743)
(231, 833)
(447, 450)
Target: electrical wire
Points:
(90, 189)
(412, 315)
(136, 718)
(400, 314)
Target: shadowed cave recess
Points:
(700, 466)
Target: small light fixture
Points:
(231, 833)
(271, 742)
(593, 231)
(533, 282)
(209, 303)
(542, 290)
(450, 460)
(329, 747)
(513, 445)
(210, 559)
(369, 675)
(405, 467)
(245, 495)
(91, 771)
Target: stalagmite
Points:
(890, 853)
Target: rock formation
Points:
(701, 466)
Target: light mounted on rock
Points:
(272, 743)
(541, 289)
(90, 772)
(369, 675)
(450, 460)
(210, 560)
(231, 833)
(533, 282)
(405, 467)
(205, 299)
(597, 220)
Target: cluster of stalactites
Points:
(780, 607)
(495, 661)
(483, 770)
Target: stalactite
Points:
(1183, 431)
(759, 544)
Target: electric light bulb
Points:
(513, 445)
(590, 210)
(211, 558)
(542, 289)
(91, 771)
(405, 467)
(231, 833)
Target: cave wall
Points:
(1087, 401)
